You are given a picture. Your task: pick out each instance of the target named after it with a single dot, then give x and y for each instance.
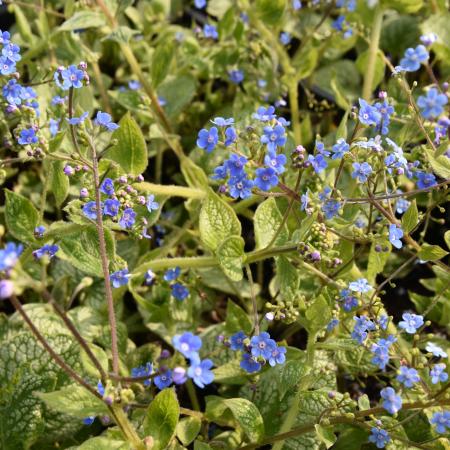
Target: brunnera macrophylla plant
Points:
(223, 225)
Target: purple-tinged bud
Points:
(445, 86)
(140, 178)
(141, 200)
(6, 289)
(122, 179)
(108, 400)
(68, 170)
(85, 168)
(220, 338)
(10, 109)
(300, 149)
(331, 394)
(83, 65)
(222, 189)
(179, 375)
(165, 354)
(400, 171)
(60, 68)
(378, 248)
(105, 420)
(382, 95)
(84, 193)
(315, 256)
(428, 39)
(30, 153)
(270, 316)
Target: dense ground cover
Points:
(223, 224)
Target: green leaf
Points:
(162, 57)
(103, 443)
(351, 439)
(447, 238)
(80, 247)
(325, 435)
(101, 356)
(218, 8)
(237, 319)
(59, 182)
(131, 150)
(188, 429)
(380, 66)
(121, 35)
(194, 175)
(439, 164)
(270, 11)
(230, 373)
(318, 314)
(377, 259)
(267, 221)
(410, 218)
(288, 278)
(217, 221)
(74, 400)
(403, 6)
(83, 19)
(178, 92)
(243, 411)
(21, 216)
(431, 252)
(231, 257)
(23, 25)
(161, 418)
(305, 61)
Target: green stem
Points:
(193, 395)
(127, 428)
(373, 52)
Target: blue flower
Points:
(401, 205)
(89, 420)
(318, 162)
(235, 165)
(277, 356)
(332, 324)
(441, 420)
(392, 402)
(413, 58)
(220, 173)
(7, 66)
(386, 110)
(237, 341)
(120, 278)
(379, 437)
(304, 201)
(381, 351)
(240, 186)
(200, 4)
(411, 322)
(210, 31)
(128, 218)
(12, 52)
(12, 92)
(273, 137)
(172, 274)
(107, 187)
(111, 207)
(230, 136)
(4, 37)
(179, 291)
(408, 376)
(236, 76)
(262, 345)
(368, 115)
(340, 149)
(208, 139)
(395, 234)
(266, 177)
(435, 350)
(179, 375)
(187, 344)
(47, 249)
(383, 321)
(58, 100)
(425, 180)
(428, 39)
(149, 277)
(285, 38)
(296, 5)
(39, 231)
(249, 363)
(54, 126)
(163, 379)
(362, 326)
(221, 122)
(331, 208)
(104, 119)
(347, 300)
(78, 120)
(70, 77)
(265, 114)
(27, 137)
(90, 210)
(134, 85)
(10, 255)
(143, 371)
(275, 161)
(432, 105)
(151, 204)
(437, 373)
(200, 372)
(360, 285)
(361, 171)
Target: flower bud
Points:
(6, 289)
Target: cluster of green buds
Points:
(287, 310)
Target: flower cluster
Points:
(257, 350)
